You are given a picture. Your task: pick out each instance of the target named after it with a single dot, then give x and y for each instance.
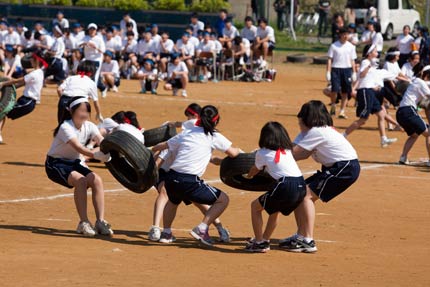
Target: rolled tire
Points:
(7, 99)
(320, 60)
(158, 135)
(132, 164)
(232, 173)
(297, 58)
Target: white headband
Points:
(77, 102)
(395, 53)
(426, 68)
(58, 29)
(373, 47)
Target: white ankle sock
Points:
(203, 226)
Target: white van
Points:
(391, 14)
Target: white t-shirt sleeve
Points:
(220, 142)
(29, 78)
(174, 142)
(93, 129)
(183, 67)
(66, 133)
(311, 140)
(330, 52)
(92, 92)
(364, 65)
(259, 160)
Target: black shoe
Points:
(261, 247)
(299, 245)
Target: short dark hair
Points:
(194, 15)
(129, 33)
(389, 58)
(237, 40)
(249, 18)
(193, 110)
(274, 136)
(418, 71)
(224, 11)
(262, 19)
(315, 114)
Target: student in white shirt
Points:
(228, 34)
(148, 76)
(65, 164)
(70, 44)
(12, 67)
(167, 47)
(393, 89)
(205, 46)
(193, 152)
(56, 67)
(407, 68)
(404, 43)
(367, 101)
(127, 19)
(417, 94)
(109, 74)
(177, 76)
(276, 158)
(186, 49)
(249, 31)
(79, 85)
(33, 83)
(112, 44)
(122, 121)
(94, 47)
(218, 45)
(196, 24)
(378, 39)
(11, 37)
(353, 36)
(241, 50)
(78, 33)
(60, 20)
(341, 70)
(264, 40)
(340, 169)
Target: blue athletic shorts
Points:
(22, 107)
(341, 80)
(332, 181)
(410, 120)
(59, 169)
(367, 103)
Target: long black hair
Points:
(315, 114)
(128, 117)
(209, 119)
(67, 115)
(418, 71)
(274, 136)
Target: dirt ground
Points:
(372, 235)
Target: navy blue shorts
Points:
(59, 169)
(285, 197)
(56, 69)
(410, 120)
(176, 83)
(22, 107)
(332, 181)
(341, 80)
(367, 103)
(189, 188)
(162, 174)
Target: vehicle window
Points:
(393, 4)
(406, 4)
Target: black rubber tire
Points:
(322, 60)
(233, 169)
(158, 135)
(132, 164)
(297, 58)
(7, 99)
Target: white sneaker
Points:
(386, 142)
(115, 89)
(103, 227)
(85, 228)
(104, 93)
(184, 93)
(403, 160)
(154, 233)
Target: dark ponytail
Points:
(128, 117)
(209, 119)
(68, 112)
(417, 69)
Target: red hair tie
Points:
(82, 74)
(278, 154)
(191, 111)
(44, 63)
(215, 118)
(198, 122)
(127, 120)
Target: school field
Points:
(375, 234)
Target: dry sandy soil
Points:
(374, 234)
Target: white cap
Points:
(92, 25)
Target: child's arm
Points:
(300, 153)
(160, 147)
(233, 151)
(17, 82)
(216, 160)
(252, 172)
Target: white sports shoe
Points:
(115, 89)
(386, 142)
(154, 233)
(104, 93)
(85, 228)
(184, 93)
(103, 227)
(403, 160)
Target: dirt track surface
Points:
(375, 234)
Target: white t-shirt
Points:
(366, 36)
(416, 91)
(168, 46)
(79, 37)
(77, 86)
(27, 43)
(12, 39)
(33, 84)
(206, 47)
(407, 70)
(194, 149)
(249, 33)
(392, 67)
(132, 130)
(70, 43)
(378, 41)
(144, 47)
(188, 125)
(93, 54)
(58, 47)
(187, 49)
(196, 27)
(181, 67)
(195, 41)
(60, 147)
(230, 33)
(403, 43)
(131, 48)
(122, 25)
(15, 60)
(287, 166)
(342, 54)
(369, 81)
(268, 32)
(218, 46)
(151, 74)
(328, 145)
(64, 23)
(112, 67)
(113, 44)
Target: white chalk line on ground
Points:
(213, 181)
